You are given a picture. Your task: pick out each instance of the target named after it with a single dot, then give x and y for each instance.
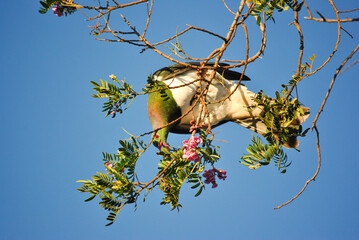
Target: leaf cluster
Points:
(209, 152)
(181, 170)
(176, 173)
(269, 6)
(157, 86)
(116, 187)
(119, 185)
(260, 154)
(280, 115)
(47, 4)
(118, 95)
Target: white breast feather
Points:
(233, 108)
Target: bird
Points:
(173, 106)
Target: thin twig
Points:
(206, 31)
(356, 9)
(336, 44)
(351, 65)
(262, 27)
(331, 85)
(225, 4)
(149, 12)
(301, 48)
(312, 178)
(332, 20)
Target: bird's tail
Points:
(256, 125)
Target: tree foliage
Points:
(194, 162)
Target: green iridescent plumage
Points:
(162, 110)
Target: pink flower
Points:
(192, 142)
(197, 140)
(210, 176)
(190, 155)
(188, 144)
(58, 10)
(208, 173)
(221, 174)
(108, 164)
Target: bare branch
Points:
(206, 31)
(336, 44)
(332, 20)
(301, 48)
(356, 9)
(312, 178)
(332, 83)
(225, 4)
(351, 65)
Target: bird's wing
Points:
(177, 69)
(254, 124)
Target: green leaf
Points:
(305, 132)
(47, 5)
(90, 198)
(312, 57)
(196, 185)
(44, 4)
(199, 191)
(94, 83)
(299, 7)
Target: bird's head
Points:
(159, 140)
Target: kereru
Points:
(180, 87)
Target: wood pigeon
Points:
(180, 87)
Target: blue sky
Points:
(53, 132)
